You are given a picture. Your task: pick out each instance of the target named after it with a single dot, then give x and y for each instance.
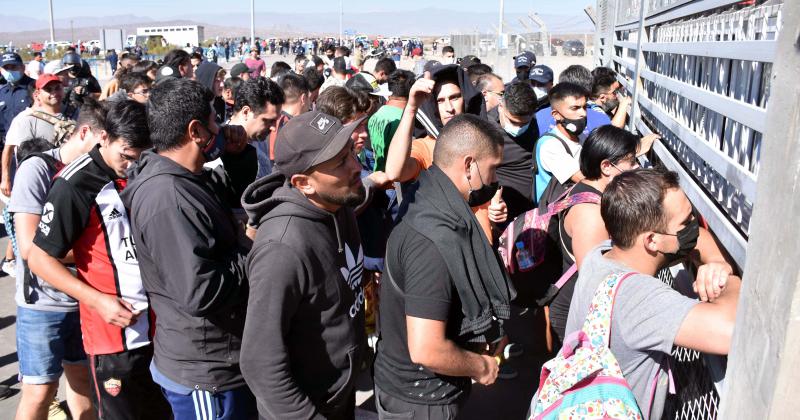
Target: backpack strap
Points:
(598, 321)
(46, 117)
(549, 134)
(53, 164)
(566, 276)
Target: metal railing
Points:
(703, 69)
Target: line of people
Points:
(205, 246)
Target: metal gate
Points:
(704, 68)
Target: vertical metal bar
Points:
(635, 106)
(500, 28)
(252, 22)
(52, 28)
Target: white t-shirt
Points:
(555, 159)
(331, 81)
(34, 69)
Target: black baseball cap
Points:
(10, 58)
(541, 74)
(238, 69)
(167, 72)
(310, 139)
(526, 59)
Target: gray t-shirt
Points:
(646, 317)
(29, 195)
(25, 127)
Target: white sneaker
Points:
(9, 267)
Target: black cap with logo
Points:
(310, 139)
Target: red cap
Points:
(46, 78)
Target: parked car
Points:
(573, 47)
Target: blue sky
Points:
(168, 9)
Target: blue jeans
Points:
(45, 341)
(234, 404)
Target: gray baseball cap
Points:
(310, 139)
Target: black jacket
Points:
(429, 121)
(304, 335)
(193, 270)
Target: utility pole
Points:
(341, 17)
(500, 28)
(52, 28)
(252, 22)
(71, 33)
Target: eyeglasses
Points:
(143, 92)
(499, 94)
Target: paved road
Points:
(507, 399)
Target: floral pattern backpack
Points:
(584, 381)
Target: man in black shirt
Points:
(516, 112)
(444, 295)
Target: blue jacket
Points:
(13, 99)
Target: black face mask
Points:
(522, 75)
(483, 194)
(687, 240)
(610, 105)
(574, 127)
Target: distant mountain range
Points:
(424, 22)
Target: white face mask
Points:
(540, 92)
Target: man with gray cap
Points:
(241, 71)
(304, 334)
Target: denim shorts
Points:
(45, 341)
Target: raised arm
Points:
(399, 165)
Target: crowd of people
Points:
(196, 243)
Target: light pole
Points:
(252, 21)
(52, 28)
(71, 33)
(500, 28)
(341, 17)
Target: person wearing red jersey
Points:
(89, 218)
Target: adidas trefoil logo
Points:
(352, 274)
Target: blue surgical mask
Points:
(515, 131)
(11, 76)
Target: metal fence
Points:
(704, 68)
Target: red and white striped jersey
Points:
(88, 217)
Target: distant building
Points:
(174, 35)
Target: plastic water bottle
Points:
(525, 260)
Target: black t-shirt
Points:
(515, 172)
(94, 85)
(559, 307)
(418, 269)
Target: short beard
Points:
(349, 199)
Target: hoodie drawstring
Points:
(338, 235)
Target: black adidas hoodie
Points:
(192, 268)
(304, 331)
